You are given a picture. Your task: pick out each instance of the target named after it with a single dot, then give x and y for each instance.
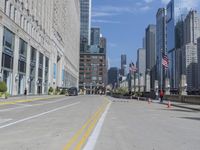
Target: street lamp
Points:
(90, 88)
(168, 89)
(157, 92)
(84, 89)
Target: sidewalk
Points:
(23, 99)
(180, 105)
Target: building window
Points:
(22, 66)
(22, 56)
(33, 54)
(7, 61)
(6, 3)
(15, 14)
(10, 10)
(22, 47)
(8, 40)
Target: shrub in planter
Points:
(63, 92)
(50, 91)
(3, 87)
(57, 91)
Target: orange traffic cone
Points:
(169, 104)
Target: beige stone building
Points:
(39, 44)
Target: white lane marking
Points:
(41, 103)
(38, 115)
(9, 109)
(24, 105)
(95, 134)
(4, 120)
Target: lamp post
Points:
(91, 88)
(184, 89)
(167, 90)
(157, 97)
(84, 90)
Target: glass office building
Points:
(176, 12)
(85, 18)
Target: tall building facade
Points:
(36, 40)
(85, 18)
(93, 72)
(151, 54)
(113, 76)
(160, 45)
(190, 53)
(123, 65)
(141, 61)
(95, 36)
(93, 64)
(198, 58)
(175, 15)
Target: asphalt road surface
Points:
(97, 123)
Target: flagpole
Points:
(161, 74)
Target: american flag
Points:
(165, 61)
(132, 67)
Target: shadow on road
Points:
(179, 110)
(191, 118)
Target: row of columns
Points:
(15, 73)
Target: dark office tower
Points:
(102, 45)
(113, 76)
(95, 36)
(160, 45)
(85, 17)
(123, 65)
(151, 54)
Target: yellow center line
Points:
(27, 100)
(89, 130)
(81, 130)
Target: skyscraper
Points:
(151, 53)
(141, 61)
(160, 45)
(175, 15)
(95, 36)
(190, 59)
(198, 52)
(85, 18)
(123, 65)
(113, 76)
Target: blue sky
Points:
(123, 23)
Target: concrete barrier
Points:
(190, 99)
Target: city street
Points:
(97, 122)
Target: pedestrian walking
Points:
(25, 91)
(161, 96)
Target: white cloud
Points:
(165, 1)
(102, 14)
(106, 11)
(104, 21)
(185, 3)
(190, 4)
(148, 1)
(145, 8)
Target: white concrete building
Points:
(39, 44)
(190, 59)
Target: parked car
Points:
(73, 91)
